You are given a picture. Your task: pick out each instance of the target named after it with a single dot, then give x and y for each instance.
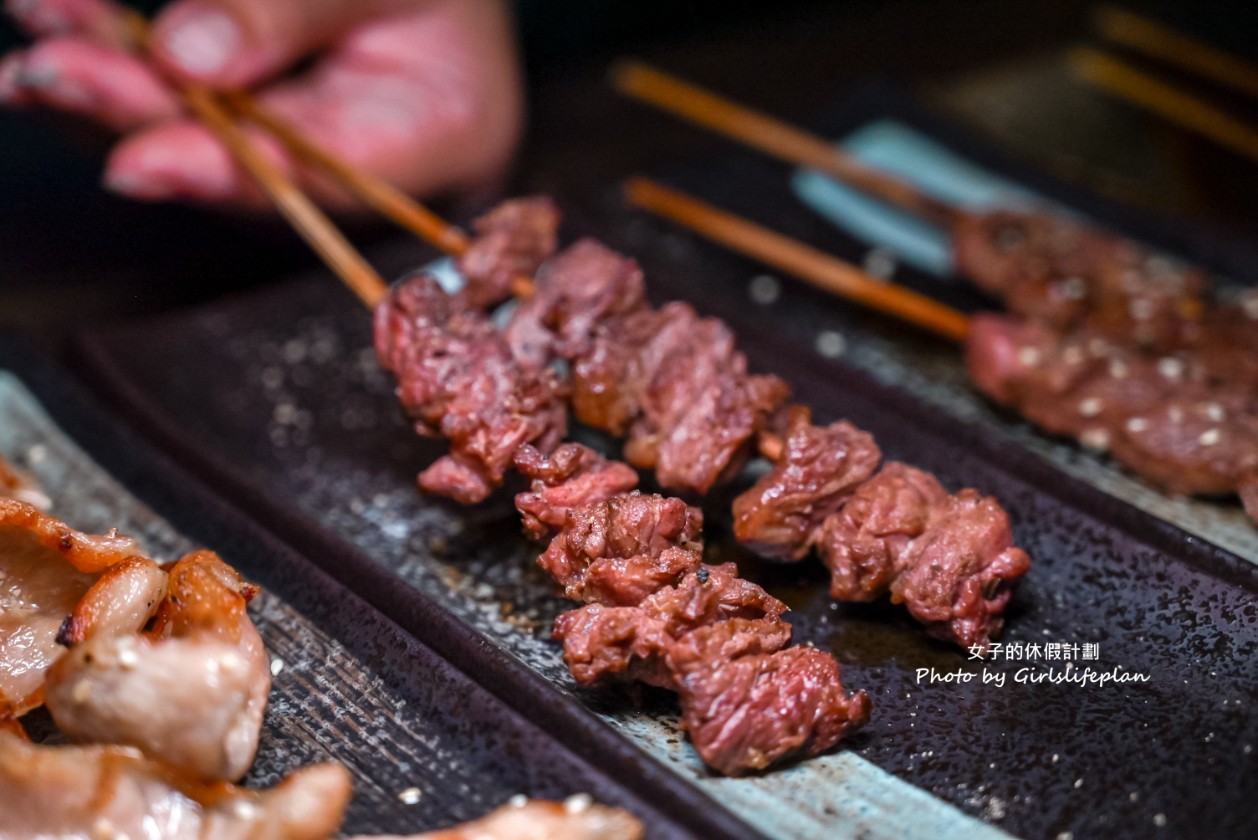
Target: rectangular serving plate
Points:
(276, 398)
(351, 686)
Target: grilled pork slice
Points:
(49, 571)
(108, 791)
(511, 241)
(192, 691)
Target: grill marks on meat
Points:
(948, 558)
(458, 379)
(655, 613)
(1162, 417)
(511, 241)
(110, 791)
(1068, 276)
(818, 469)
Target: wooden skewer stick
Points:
(302, 213)
(376, 193)
(1166, 100)
(772, 136)
(1163, 43)
(794, 257)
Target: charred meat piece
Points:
(49, 571)
(862, 543)
(949, 558)
(1161, 416)
(817, 471)
(576, 819)
(458, 379)
(511, 241)
(20, 486)
(191, 691)
(620, 550)
(635, 642)
(572, 477)
(675, 385)
(109, 791)
(746, 713)
(957, 577)
(1069, 276)
(577, 290)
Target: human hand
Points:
(424, 93)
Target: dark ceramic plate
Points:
(351, 685)
(276, 399)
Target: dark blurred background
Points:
(72, 255)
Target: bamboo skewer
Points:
(1147, 91)
(1162, 42)
(796, 258)
(772, 136)
(302, 213)
(376, 193)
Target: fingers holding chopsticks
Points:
(423, 93)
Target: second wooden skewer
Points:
(796, 258)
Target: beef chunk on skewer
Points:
(572, 477)
(458, 379)
(818, 469)
(620, 550)
(511, 241)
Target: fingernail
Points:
(40, 77)
(136, 186)
(204, 42)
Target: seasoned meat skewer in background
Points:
(1041, 265)
(1163, 418)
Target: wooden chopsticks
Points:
(1146, 90)
(219, 112)
(1165, 44)
(1166, 100)
(771, 136)
(796, 258)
